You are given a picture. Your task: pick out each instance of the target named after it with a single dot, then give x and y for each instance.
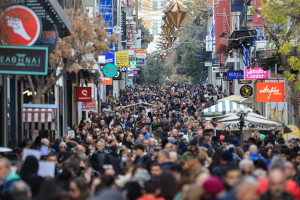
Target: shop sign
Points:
(49, 36)
(238, 74)
(246, 91)
(109, 57)
(23, 60)
(83, 94)
(21, 24)
(132, 72)
(256, 73)
(270, 92)
(215, 69)
(118, 76)
(122, 58)
(243, 81)
(248, 126)
(107, 81)
(110, 70)
(89, 106)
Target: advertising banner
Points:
(109, 57)
(23, 60)
(279, 112)
(83, 94)
(222, 23)
(255, 73)
(238, 74)
(122, 58)
(270, 92)
(257, 20)
(107, 81)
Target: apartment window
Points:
(154, 5)
(154, 28)
(140, 6)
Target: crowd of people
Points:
(150, 144)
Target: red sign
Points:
(257, 20)
(22, 25)
(222, 22)
(270, 92)
(89, 106)
(83, 94)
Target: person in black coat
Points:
(29, 174)
(114, 159)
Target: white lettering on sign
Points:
(270, 91)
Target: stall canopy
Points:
(233, 98)
(222, 108)
(251, 121)
(39, 116)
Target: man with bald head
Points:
(276, 191)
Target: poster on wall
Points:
(279, 112)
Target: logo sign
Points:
(270, 92)
(238, 74)
(118, 76)
(110, 70)
(221, 75)
(122, 59)
(246, 91)
(23, 60)
(107, 81)
(83, 94)
(256, 73)
(215, 69)
(49, 36)
(132, 63)
(22, 26)
(117, 29)
(89, 106)
(123, 69)
(140, 61)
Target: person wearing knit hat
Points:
(213, 187)
(226, 159)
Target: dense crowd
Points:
(150, 143)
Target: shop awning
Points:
(221, 108)
(38, 115)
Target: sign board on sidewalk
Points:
(23, 60)
(122, 58)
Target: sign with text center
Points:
(23, 60)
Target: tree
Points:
(79, 50)
(154, 72)
(282, 23)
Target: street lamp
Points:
(242, 115)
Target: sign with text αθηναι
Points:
(122, 58)
(23, 60)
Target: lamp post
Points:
(242, 123)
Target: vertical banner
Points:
(257, 20)
(222, 22)
(279, 112)
(106, 11)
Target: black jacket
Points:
(98, 159)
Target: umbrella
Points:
(251, 121)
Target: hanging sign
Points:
(270, 92)
(110, 70)
(21, 24)
(49, 36)
(246, 91)
(122, 58)
(256, 73)
(83, 94)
